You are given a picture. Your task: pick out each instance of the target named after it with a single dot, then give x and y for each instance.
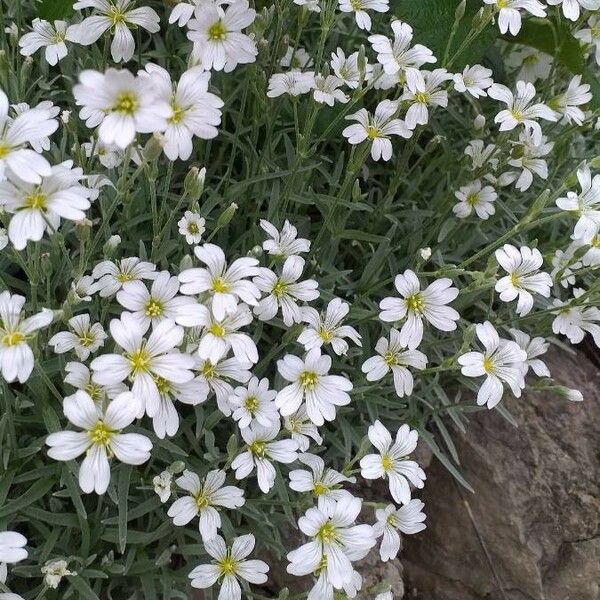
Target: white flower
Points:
(260, 451)
(474, 197)
(160, 302)
(407, 519)
(54, 571)
(166, 421)
(520, 110)
(109, 155)
(294, 83)
(144, 361)
(302, 429)
(509, 17)
(326, 90)
(475, 80)
(85, 338)
(296, 58)
(533, 348)
(571, 8)
(391, 462)
(522, 265)
(48, 36)
(111, 276)
(577, 320)
(192, 226)
(398, 56)
(311, 5)
(224, 285)
(182, 12)
(416, 305)
(348, 69)
(284, 291)
(219, 336)
(376, 129)
(591, 35)
(311, 383)
(360, 8)
(336, 541)
(12, 550)
(230, 564)
(162, 485)
(501, 362)
(527, 155)
(422, 91)
(385, 596)
(194, 110)
(121, 104)
(118, 17)
(394, 357)
(217, 375)
(323, 590)
(585, 205)
(564, 264)
(532, 64)
(327, 329)
(567, 103)
(40, 207)
(16, 357)
(592, 256)
(481, 155)
(204, 497)
(283, 243)
(254, 404)
(323, 483)
(31, 126)
(79, 376)
(100, 439)
(219, 43)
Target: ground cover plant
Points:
(252, 255)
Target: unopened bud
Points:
(459, 13)
(569, 393)
(425, 253)
(256, 252)
(193, 184)
(65, 115)
(111, 245)
(186, 263)
(176, 467)
(479, 122)
(226, 216)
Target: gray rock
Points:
(532, 529)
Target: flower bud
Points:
(479, 123)
(425, 253)
(193, 184)
(226, 216)
(111, 245)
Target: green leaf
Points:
(34, 493)
(85, 592)
(55, 9)
(123, 492)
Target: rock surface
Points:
(532, 530)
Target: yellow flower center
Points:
(154, 308)
(228, 566)
(219, 285)
(94, 391)
(126, 103)
(217, 31)
(386, 462)
(12, 339)
(87, 339)
(124, 277)
(308, 379)
(164, 387)
(251, 404)
(514, 279)
(116, 16)
(595, 243)
(502, 3)
(100, 434)
(217, 330)
(415, 303)
(320, 488)
(178, 114)
(392, 520)
(372, 132)
(193, 228)
(422, 97)
(356, 5)
(201, 501)
(473, 198)
(325, 334)
(4, 150)
(258, 448)
(327, 533)
(390, 359)
(517, 115)
(37, 201)
(488, 365)
(139, 361)
(280, 289)
(208, 370)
